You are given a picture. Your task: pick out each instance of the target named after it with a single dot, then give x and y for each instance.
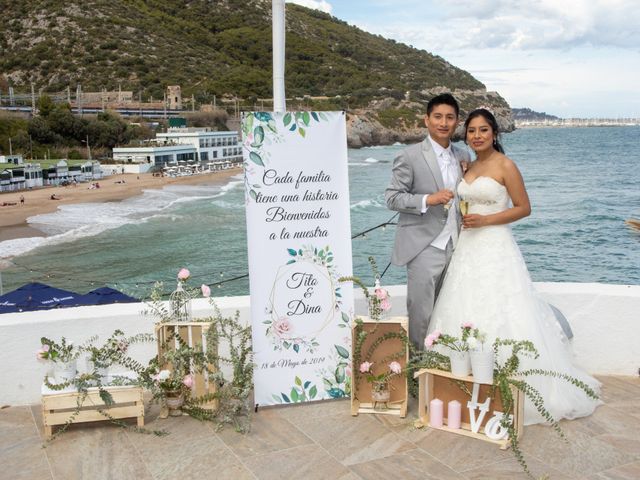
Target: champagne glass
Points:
(464, 207)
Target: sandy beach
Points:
(14, 215)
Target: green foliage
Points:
(210, 48)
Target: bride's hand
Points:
(474, 220)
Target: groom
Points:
(423, 182)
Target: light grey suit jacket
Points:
(416, 173)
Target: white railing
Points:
(604, 319)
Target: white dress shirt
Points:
(450, 173)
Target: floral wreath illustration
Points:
(280, 331)
(260, 128)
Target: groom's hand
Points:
(440, 198)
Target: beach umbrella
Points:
(36, 296)
(104, 296)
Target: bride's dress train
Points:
(488, 284)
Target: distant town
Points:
(525, 117)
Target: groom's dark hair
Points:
(443, 99)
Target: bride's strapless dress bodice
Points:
(485, 195)
(487, 283)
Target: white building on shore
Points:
(209, 149)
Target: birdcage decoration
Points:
(379, 302)
(180, 302)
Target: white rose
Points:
(472, 342)
(164, 375)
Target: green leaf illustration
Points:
(294, 395)
(306, 118)
(340, 374)
(293, 127)
(315, 116)
(306, 384)
(345, 317)
(296, 348)
(258, 135)
(298, 381)
(253, 194)
(255, 158)
(285, 398)
(343, 352)
(302, 132)
(292, 252)
(276, 398)
(287, 119)
(313, 392)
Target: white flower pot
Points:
(65, 371)
(460, 363)
(482, 366)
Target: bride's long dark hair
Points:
(491, 120)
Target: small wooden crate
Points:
(361, 391)
(192, 334)
(57, 408)
(440, 384)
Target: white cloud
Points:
(321, 5)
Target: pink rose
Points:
(187, 381)
(206, 291)
(282, 326)
(467, 325)
(45, 348)
(431, 339)
(381, 293)
(184, 274)
(348, 372)
(395, 367)
(365, 367)
(385, 305)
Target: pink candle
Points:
(454, 414)
(435, 412)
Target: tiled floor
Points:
(322, 441)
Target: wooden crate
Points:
(442, 385)
(192, 334)
(57, 408)
(361, 391)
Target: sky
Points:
(570, 58)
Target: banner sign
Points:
(299, 242)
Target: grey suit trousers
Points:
(424, 277)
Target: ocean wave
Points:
(362, 204)
(72, 222)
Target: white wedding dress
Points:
(487, 283)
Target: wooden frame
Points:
(57, 408)
(440, 384)
(361, 391)
(192, 334)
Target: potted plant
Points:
(173, 385)
(482, 359)
(101, 358)
(64, 356)
(380, 387)
(458, 347)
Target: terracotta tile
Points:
(95, 451)
(580, 454)
(354, 439)
(414, 464)
(24, 458)
(459, 452)
(510, 469)
(269, 433)
(310, 462)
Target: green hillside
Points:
(209, 47)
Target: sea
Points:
(583, 184)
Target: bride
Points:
(487, 282)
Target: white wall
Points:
(604, 319)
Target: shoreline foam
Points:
(14, 219)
